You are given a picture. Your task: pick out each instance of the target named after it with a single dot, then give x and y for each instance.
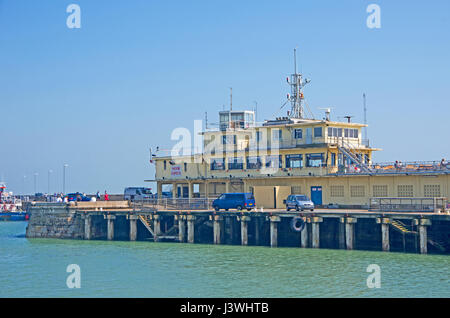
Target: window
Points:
(254, 163)
(357, 191)
(334, 132)
(258, 136)
(298, 133)
(185, 166)
(273, 161)
(380, 191)
(294, 161)
(317, 131)
(337, 191)
(228, 140)
(235, 163)
(218, 164)
(432, 190)
(333, 159)
(165, 165)
(296, 190)
(314, 160)
(405, 191)
(277, 134)
(351, 133)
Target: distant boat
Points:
(10, 206)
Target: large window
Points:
(314, 160)
(298, 133)
(273, 161)
(277, 134)
(235, 163)
(254, 163)
(334, 132)
(333, 159)
(228, 140)
(218, 164)
(317, 131)
(294, 161)
(351, 133)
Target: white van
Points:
(137, 193)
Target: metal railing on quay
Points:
(173, 204)
(430, 205)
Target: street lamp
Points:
(48, 181)
(64, 177)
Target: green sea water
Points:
(37, 268)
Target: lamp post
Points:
(64, 177)
(48, 181)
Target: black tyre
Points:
(249, 209)
(239, 208)
(297, 208)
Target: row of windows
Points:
(403, 191)
(343, 132)
(292, 161)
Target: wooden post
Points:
(181, 228)
(304, 235)
(256, 230)
(87, 227)
(110, 219)
(217, 229)
(350, 232)
(274, 220)
(315, 224)
(190, 228)
(341, 233)
(133, 227)
(156, 227)
(385, 243)
(423, 237)
(244, 229)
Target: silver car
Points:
(299, 202)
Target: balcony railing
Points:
(431, 205)
(172, 204)
(401, 167)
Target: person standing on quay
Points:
(106, 196)
(98, 196)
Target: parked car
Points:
(298, 202)
(77, 196)
(137, 193)
(237, 201)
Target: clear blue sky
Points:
(98, 97)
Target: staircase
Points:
(346, 149)
(147, 223)
(400, 227)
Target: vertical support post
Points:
(274, 220)
(174, 190)
(181, 228)
(423, 235)
(257, 242)
(227, 186)
(244, 229)
(87, 227)
(110, 228)
(133, 226)
(350, 232)
(159, 189)
(206, 189)
(315, 224)
(304, 234)
(341, 233)
(217, 226)
(190, 228)
(385, 242)
(156, 227)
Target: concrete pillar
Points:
(385, 242)
(217, 226)
(341, 233)
(191, 189)
(315, 228)
(190, 228)
(174, 190)
(159, 189)
(88, 227)
(274, 220)
(110, 219)
(423, 237)
(350, 232)
(181, 228)
(133, 227)
(156, 227)
(244, 229)
(227, 186)
(304, 235)
(206, 189)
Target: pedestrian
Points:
(98, 196)
(106, 196)
(443, 164)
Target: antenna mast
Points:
(365, 116)
(296, 97)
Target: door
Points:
(316, 195)
(309, 135)
(185, 192)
